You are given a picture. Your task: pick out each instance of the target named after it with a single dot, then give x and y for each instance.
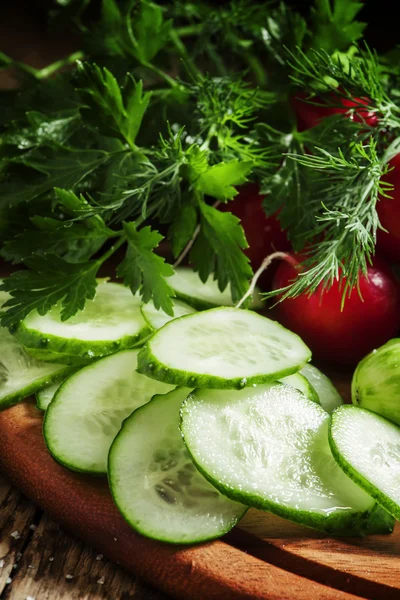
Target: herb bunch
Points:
(165, 111)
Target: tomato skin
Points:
(309, 115)
(264, 234)
(388, 243)
(343, 337)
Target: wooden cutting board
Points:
(265, 558)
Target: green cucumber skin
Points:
(54, 357)
(374, 521)
(386, 503)
(131, 523)
(200, 305)
(17, 397)
(149, 365)
(77, 348)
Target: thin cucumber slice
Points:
(367, 448)
(329, 397)
(20, 374)
(268, 447)
(376, 382)
(155, 484)
(46, 395)
(188, 286)
(58, 357)
(110, 322)
(86, 413)
(222, 348)
(157, 318)
(302, 384)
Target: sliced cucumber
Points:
(46, 395)
(157, 318)
(20, 374)
(302, 384)
(367, 448)
(222, 348)
(87, 411)
(110, 322)
(268, 447)
(58, 357)
(155, 484)
(376, 382)
(329, 397)
(188, 286)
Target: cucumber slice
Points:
(86, 413)
(20, 374)
(188, 286)
(46, 395)
(302, 384)
(376, 382)
(155, 484)
(222, 348)
(58, 357)
(110, 322)
(157, 318)
(367, 448)
(329, 397)
(268, 447)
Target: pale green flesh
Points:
(376, 382)
(268, 447)
(329, 397)
(155, 484)
(302, 384)
(20, 374)
(87, 411)
(188, 284)
(368, 448)
(157, 318)
(113, 314)
(46, 395)
(228, 343)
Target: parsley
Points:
(165, 111)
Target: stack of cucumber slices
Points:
(198, 417)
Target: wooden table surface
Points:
(40, 561)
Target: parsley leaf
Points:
(43, 286)
(143, 270)
(182, 228)
(116, 113)
(334, 24)
(218, 180)
(218, 249)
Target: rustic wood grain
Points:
(17, 514)
(55, 566)
(216, 571)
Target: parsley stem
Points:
(189, 30)
(112, 249)
(59, 64)
(264, 265)
(172, 82)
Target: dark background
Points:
(382, 33)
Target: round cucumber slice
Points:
(268, 447)
(222, 348)
(367, 448)
(110, 322)
(188, 286)
(329, 397)
(86, 413)
(302, 384)
(155, 484)
(20, 374)
(158, 318)
(376, 382)
(46, 395)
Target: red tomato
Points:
(264, 234)
(308, 115)
(388, 244)
(342, 336)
